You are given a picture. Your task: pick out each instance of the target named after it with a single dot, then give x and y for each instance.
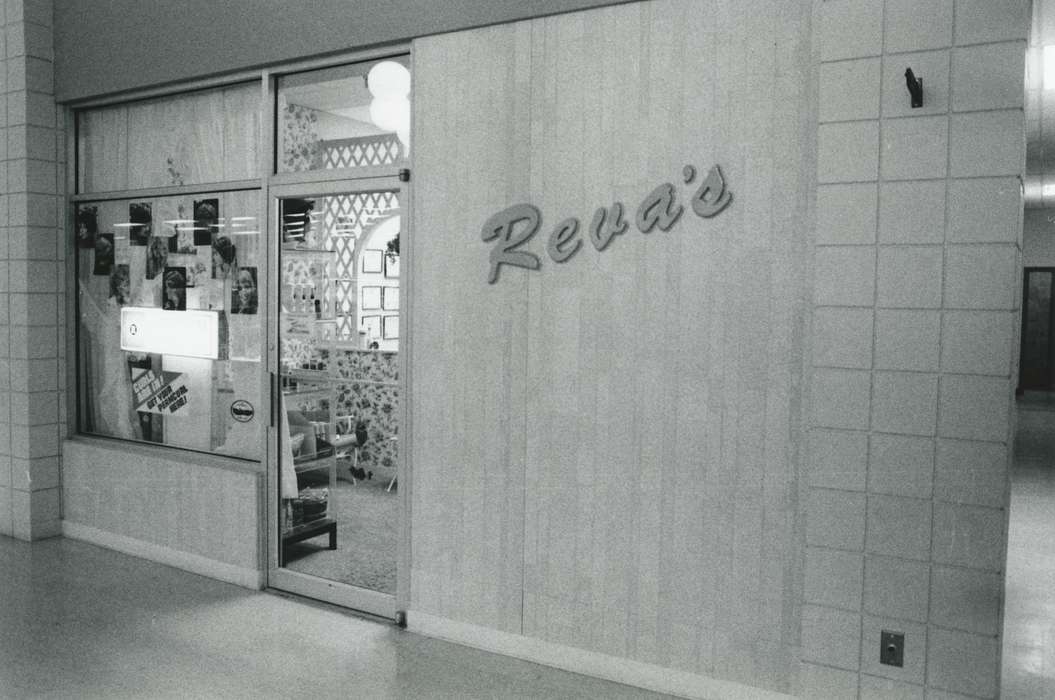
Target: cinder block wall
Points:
(915, 307)
(32, 335)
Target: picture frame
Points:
(391, 327)
(391, 266)
(373, 261)
(370, 298)
(390, 298)
(371, 325)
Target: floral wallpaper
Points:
(368, 364)
(301, 147)
(370, 393)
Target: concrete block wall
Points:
(915, 311)
(32, 278)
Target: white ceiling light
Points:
(389, 83)
(390, 113)
(388, 79)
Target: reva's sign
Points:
(516, 225)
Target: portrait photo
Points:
(244, 292)
(223, 257)
(140, 223)
(206, 218)
(87, 225)
(174, 297)
(157, 256)
(104, 254)
(121, 284)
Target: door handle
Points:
(274, 397)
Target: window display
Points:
(177, 254)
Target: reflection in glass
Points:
(197, 137)
(339, 372)
(153, 253)
(1037, 350)
(344, 117)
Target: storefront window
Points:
(344, 117)
(169, 285)
(176, 255)
(201, 137)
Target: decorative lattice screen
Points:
(346, 216)
(361, 151)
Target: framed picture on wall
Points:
(391, 266)
(373, 261)
(371, 325)
(391, 327)
(390, 298)
(371, 298)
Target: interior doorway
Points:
(1037, 364)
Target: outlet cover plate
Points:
(892, 648)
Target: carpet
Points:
(367, 535)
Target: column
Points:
(916, 302)
(32, 335)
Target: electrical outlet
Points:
(892, 648)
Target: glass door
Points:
(1038, 351)
(337, 508)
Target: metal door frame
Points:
(342, 594)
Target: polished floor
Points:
(85, 623)
(77, 621)
(1029, 607)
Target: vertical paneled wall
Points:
(32, 336)
(915, 296)
(605, 449)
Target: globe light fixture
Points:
(388, 79)
(389, 84)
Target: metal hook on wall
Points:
(915, 88)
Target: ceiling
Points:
(345, 97)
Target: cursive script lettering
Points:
(712, 197)
(606, 225)
(501, 226)
(516, 225)
(564, 234)
(660, 208)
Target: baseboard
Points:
(194, 563)
(590, 663)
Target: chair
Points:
(346, 442)
(351, 439)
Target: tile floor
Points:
(1029, 607)
(77, 621)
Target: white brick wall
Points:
(918, 221)
(32, 365)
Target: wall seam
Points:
(875, 344)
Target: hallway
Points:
(1029, 612)
(80, 621)
(77, 621)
